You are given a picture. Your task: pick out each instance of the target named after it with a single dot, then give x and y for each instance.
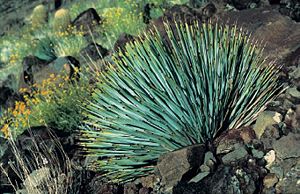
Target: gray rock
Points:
(290, 182)
(264, 120)
(257, 153)
(295, 74)
(229, 180)
(288, 146)
(293, 94)
(173, 166)
(239, 153)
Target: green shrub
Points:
(165, 94)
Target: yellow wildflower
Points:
(5, 130)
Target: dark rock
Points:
(122, 41)
(131, 188)
(278, 33)
(239, 153)
(242, 4)
(229, 180)
(145, 190)
(208, 11)
(196, 3)
(31, 65)
(93, 52)
(269, 137)
(147, 13)
(180, 165)
(290, 8)
(36, 73)
(225, 143)
(57, 4)
(293, 94)
(288, 146)
(5, 95)
(8, 92)
(290, 182)
(87, 20)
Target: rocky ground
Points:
(262, 158)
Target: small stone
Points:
(239, 153)
(294, 94)
(265, 119)
(199, 177)
(270, 158)
(270, 180)
(257, 153)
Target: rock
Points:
(32, 64)
(208, 11)
(270, 180)
(196, 3)
(131, 188)
(290, 8)
(149, 181)
(239, 153)
(63, 66)
(278, 33)
(292, 119)
(270, 135)
(93, 52)
(122, 41)
(144, 190)
(288, 146)
(175, 166)
(295, 74)
(247, 134)
(257, 153)
(293, 94)
(105, 188)
(229, 180)
(264, 120)
(290, 182)
(270, 158)
(243, 4)
(225, 142)
(87, 20)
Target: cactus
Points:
(62, 20)
(163, 94)
(39, 16)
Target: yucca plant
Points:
(163, 94)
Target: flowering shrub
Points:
(56, 102)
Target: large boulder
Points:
(279, 34)
(180, 165)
